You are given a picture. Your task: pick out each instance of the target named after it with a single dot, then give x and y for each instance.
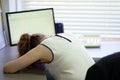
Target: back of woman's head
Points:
(28, 42)
(34, 40)
(24, 44)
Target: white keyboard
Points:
(91, 41)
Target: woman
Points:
(64, 57)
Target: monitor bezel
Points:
(8, 25)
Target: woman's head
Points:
(24, 44)
(27, 42)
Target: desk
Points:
(105, 49)
(9, 53)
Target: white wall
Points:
(2, 40)
(7, 6)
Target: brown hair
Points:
(34, 40)
(26, 43)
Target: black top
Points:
(107, 68)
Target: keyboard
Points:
(91, 41)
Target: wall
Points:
(2, 40)
(7, 6)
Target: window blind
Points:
(82, 16)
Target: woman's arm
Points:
(38, 53)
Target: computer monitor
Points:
(30, 21)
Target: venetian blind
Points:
(82, 16)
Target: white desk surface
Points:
(105, 49)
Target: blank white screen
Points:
(37, 21)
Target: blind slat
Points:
(82, 16)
